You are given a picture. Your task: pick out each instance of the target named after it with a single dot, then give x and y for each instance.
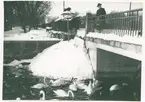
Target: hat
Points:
(99, 4)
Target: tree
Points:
(8, 15)
(29, 13)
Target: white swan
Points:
(95, 83)
(116, 87)
(62, 93)
(81, 85)
(42, 95)
(89, 88)
(41, 85)
(58, 82)
(73, 86)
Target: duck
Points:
(62, 93)
(73, 86)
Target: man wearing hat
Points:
(101, 11)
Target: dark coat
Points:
(100, 11)
(101, 22)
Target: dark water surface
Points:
(17, 82)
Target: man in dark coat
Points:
(100, 12)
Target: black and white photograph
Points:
(72, 50)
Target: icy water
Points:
(17, 82)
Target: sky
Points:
(84, 6)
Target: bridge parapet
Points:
(121, 32)
(119, 23)
(131, 47)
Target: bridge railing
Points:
(120, 23)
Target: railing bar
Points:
(122, 27)
(121, 12)
(134, 23)
(136, 28)
(130, 24)
(114, 17)
(136, 31)
(127, 26)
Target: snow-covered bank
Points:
(16, 62)
(17, 34)
(62, 60)
(81, 32)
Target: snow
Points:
(81, 32)
(62, 60)
(17, 34)
(112, 36)
(16, 62)
(57, 32)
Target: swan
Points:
(42, 95)
(41, 85)
(116, 87)
(58, 82)
(62, 93)
(89, 88)
(73, 86)
(120, 92)
(81, 85)
(96, 83)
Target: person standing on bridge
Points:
(100, 14)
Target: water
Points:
(17, 83)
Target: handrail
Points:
(120, 23)
(135, 10)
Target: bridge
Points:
(115, 50)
